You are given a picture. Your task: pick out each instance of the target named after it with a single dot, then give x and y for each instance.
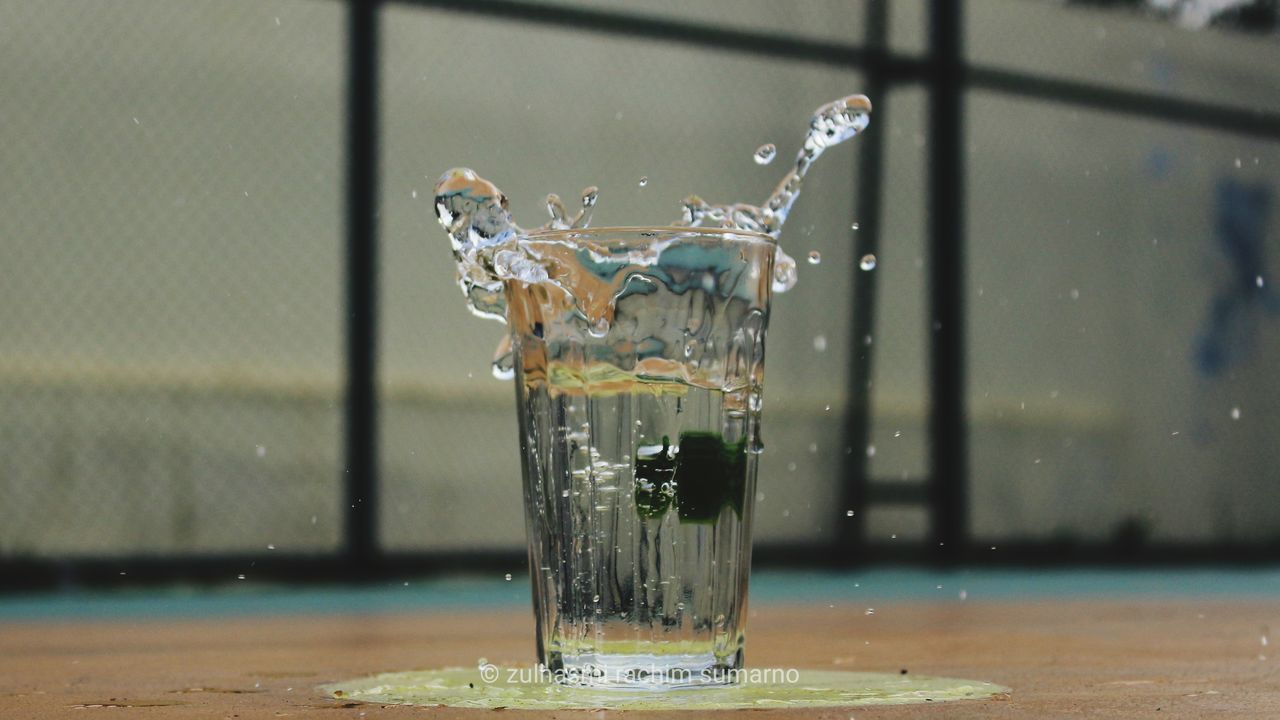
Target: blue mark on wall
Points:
(1160, 163)
(1245, 296)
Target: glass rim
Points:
(646, 232)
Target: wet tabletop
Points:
(1112, 654)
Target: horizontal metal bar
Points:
(1161, 108)
(27, 574)
(32, 574)
(1041, 554)
(894, 68)
(632, 25)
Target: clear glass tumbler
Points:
(639, 363)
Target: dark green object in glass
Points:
(701, 477)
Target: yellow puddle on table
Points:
(512, 688)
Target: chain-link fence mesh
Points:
(171, 243)
(170, 234)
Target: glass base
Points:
(643, 671)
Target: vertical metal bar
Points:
(361, 431)
(866, 241)
(948, 452)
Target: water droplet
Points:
(313, 519)
(1075, 294)
(964, 595)
(848, 513)
(791, 467)
(813, 447)
(270, 546)
(595, 598)
(871, 451)
(870, 611)
(644, 181)
(261, 450)
(680, 606)
(414, 194)
(853, 226)
(1259, 281)
(815, 257)
(1239, 162)
(1235, 413)
(765, 154)
(507, 577)
(784, 271)
(897, 433)
(868, 262)
(564, 493)
(820, 343)
(240, 577)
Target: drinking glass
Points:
(639, 363)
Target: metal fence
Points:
(351, 546)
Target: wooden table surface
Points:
(1090, 658)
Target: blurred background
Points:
(231, 341)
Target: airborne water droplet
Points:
(1235, 413)
(507, 577)
(644, 181)
(853, 226)
(765, 154)
(868, 262)
(848, 513)
(815, 257)
(820, 343)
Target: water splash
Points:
(830, 125)
(476, 216)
